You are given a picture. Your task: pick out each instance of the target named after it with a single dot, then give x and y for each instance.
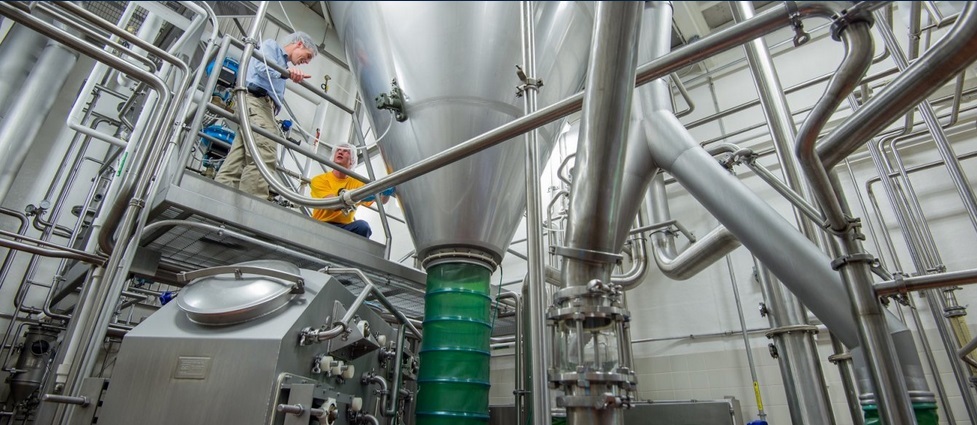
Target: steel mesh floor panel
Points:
(191, 248)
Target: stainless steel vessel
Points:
(455, 63)
(173, 370)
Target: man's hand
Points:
(296, 75)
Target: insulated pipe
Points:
(28, 110)
(761, 229)
(18, 54)
(807, 394)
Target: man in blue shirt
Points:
(266, 91)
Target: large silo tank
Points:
(456, 64)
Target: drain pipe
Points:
(588, 316)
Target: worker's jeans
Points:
(239, 170)
(360, 227)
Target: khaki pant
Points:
(239, 170)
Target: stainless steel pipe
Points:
(540, 398)
(800, 367)
(594, 202)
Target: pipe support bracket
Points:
(791, 328)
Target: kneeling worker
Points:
(330, 183)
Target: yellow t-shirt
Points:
(327, 184)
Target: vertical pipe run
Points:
(957, 175)
(595, 204)
(881, 359)
(961, 183)
(453, 381)
(799, 364)
(605, 120)
(746, 340)
(534, 245)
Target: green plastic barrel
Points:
(926, 414)
(453, 381)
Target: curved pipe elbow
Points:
(713, 246)
(633, 277)
(372, 378)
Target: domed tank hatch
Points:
(228, 295)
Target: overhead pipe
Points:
(759, 227)
(950, 55)
(926, 259)
(938, 301)
(764, 23)
(921, 264)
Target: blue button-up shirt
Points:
(258, 76)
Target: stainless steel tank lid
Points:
(239, 293)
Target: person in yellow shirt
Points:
(330, 183)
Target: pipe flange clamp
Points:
(841, 261)
(578, 313)
(583, 379)
(599, 402)
(793, 328)
(586, 254)
(844, 19)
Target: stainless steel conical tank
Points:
(456, 65)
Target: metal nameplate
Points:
(191, 367)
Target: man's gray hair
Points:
(305, 39)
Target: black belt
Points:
(257, 91)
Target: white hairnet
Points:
(348, 147)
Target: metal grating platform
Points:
(200, 200)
